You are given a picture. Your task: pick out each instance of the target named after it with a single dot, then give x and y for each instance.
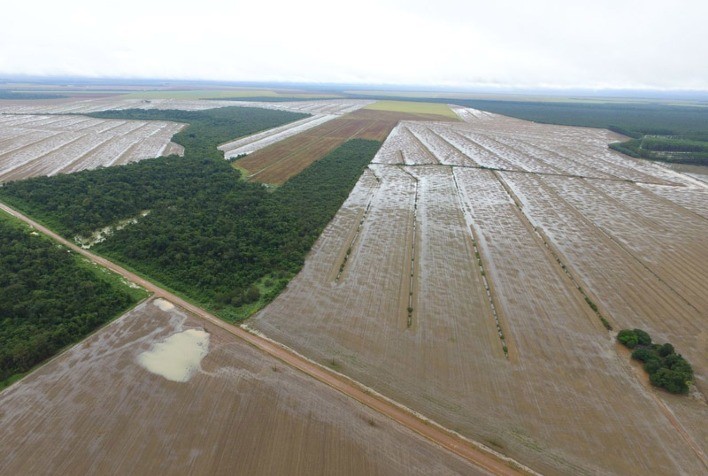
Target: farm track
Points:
(450, 441)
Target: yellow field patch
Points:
(413, 108)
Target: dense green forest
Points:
(49, 298)
(231, 245)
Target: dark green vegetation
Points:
(665, 367)
(676, 149)
(5, 94)
(49, 298)
(226, 243)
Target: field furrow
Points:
(53, 162)
(442, 150)
(414, 152)
(11, 161)
(15, 139)
(619, 283)
(693, 198)
(475, 151)
(46, 145)
(673, 253)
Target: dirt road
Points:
(452, 442)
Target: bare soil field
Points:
(284, 159)
(462, 292)
(34, 145)
(156, 392)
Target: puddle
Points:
(178, 357)
(164, 304)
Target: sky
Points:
(619, 44)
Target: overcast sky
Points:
(547, 43)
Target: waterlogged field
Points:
(157, 392)
(34, 145)
(458, 279)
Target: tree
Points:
(643, 337)
(666, 350)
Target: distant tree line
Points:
(5, 94)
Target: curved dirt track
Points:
(454, 443)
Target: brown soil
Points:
(567, 213)
(95, 410)
(278, 162)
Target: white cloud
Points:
(545, 42)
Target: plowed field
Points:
(34, 145)
(97, 409)
(456, 280)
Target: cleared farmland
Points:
(35, 145)
(83, 106)
(263, 139)
(463, 292)
(284, 159)
(229, 410)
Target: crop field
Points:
(263, 139)
(458, 279)
(157, 392)
(413, 108)
(34, 145)
(284, 159)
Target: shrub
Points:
(628, 338)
